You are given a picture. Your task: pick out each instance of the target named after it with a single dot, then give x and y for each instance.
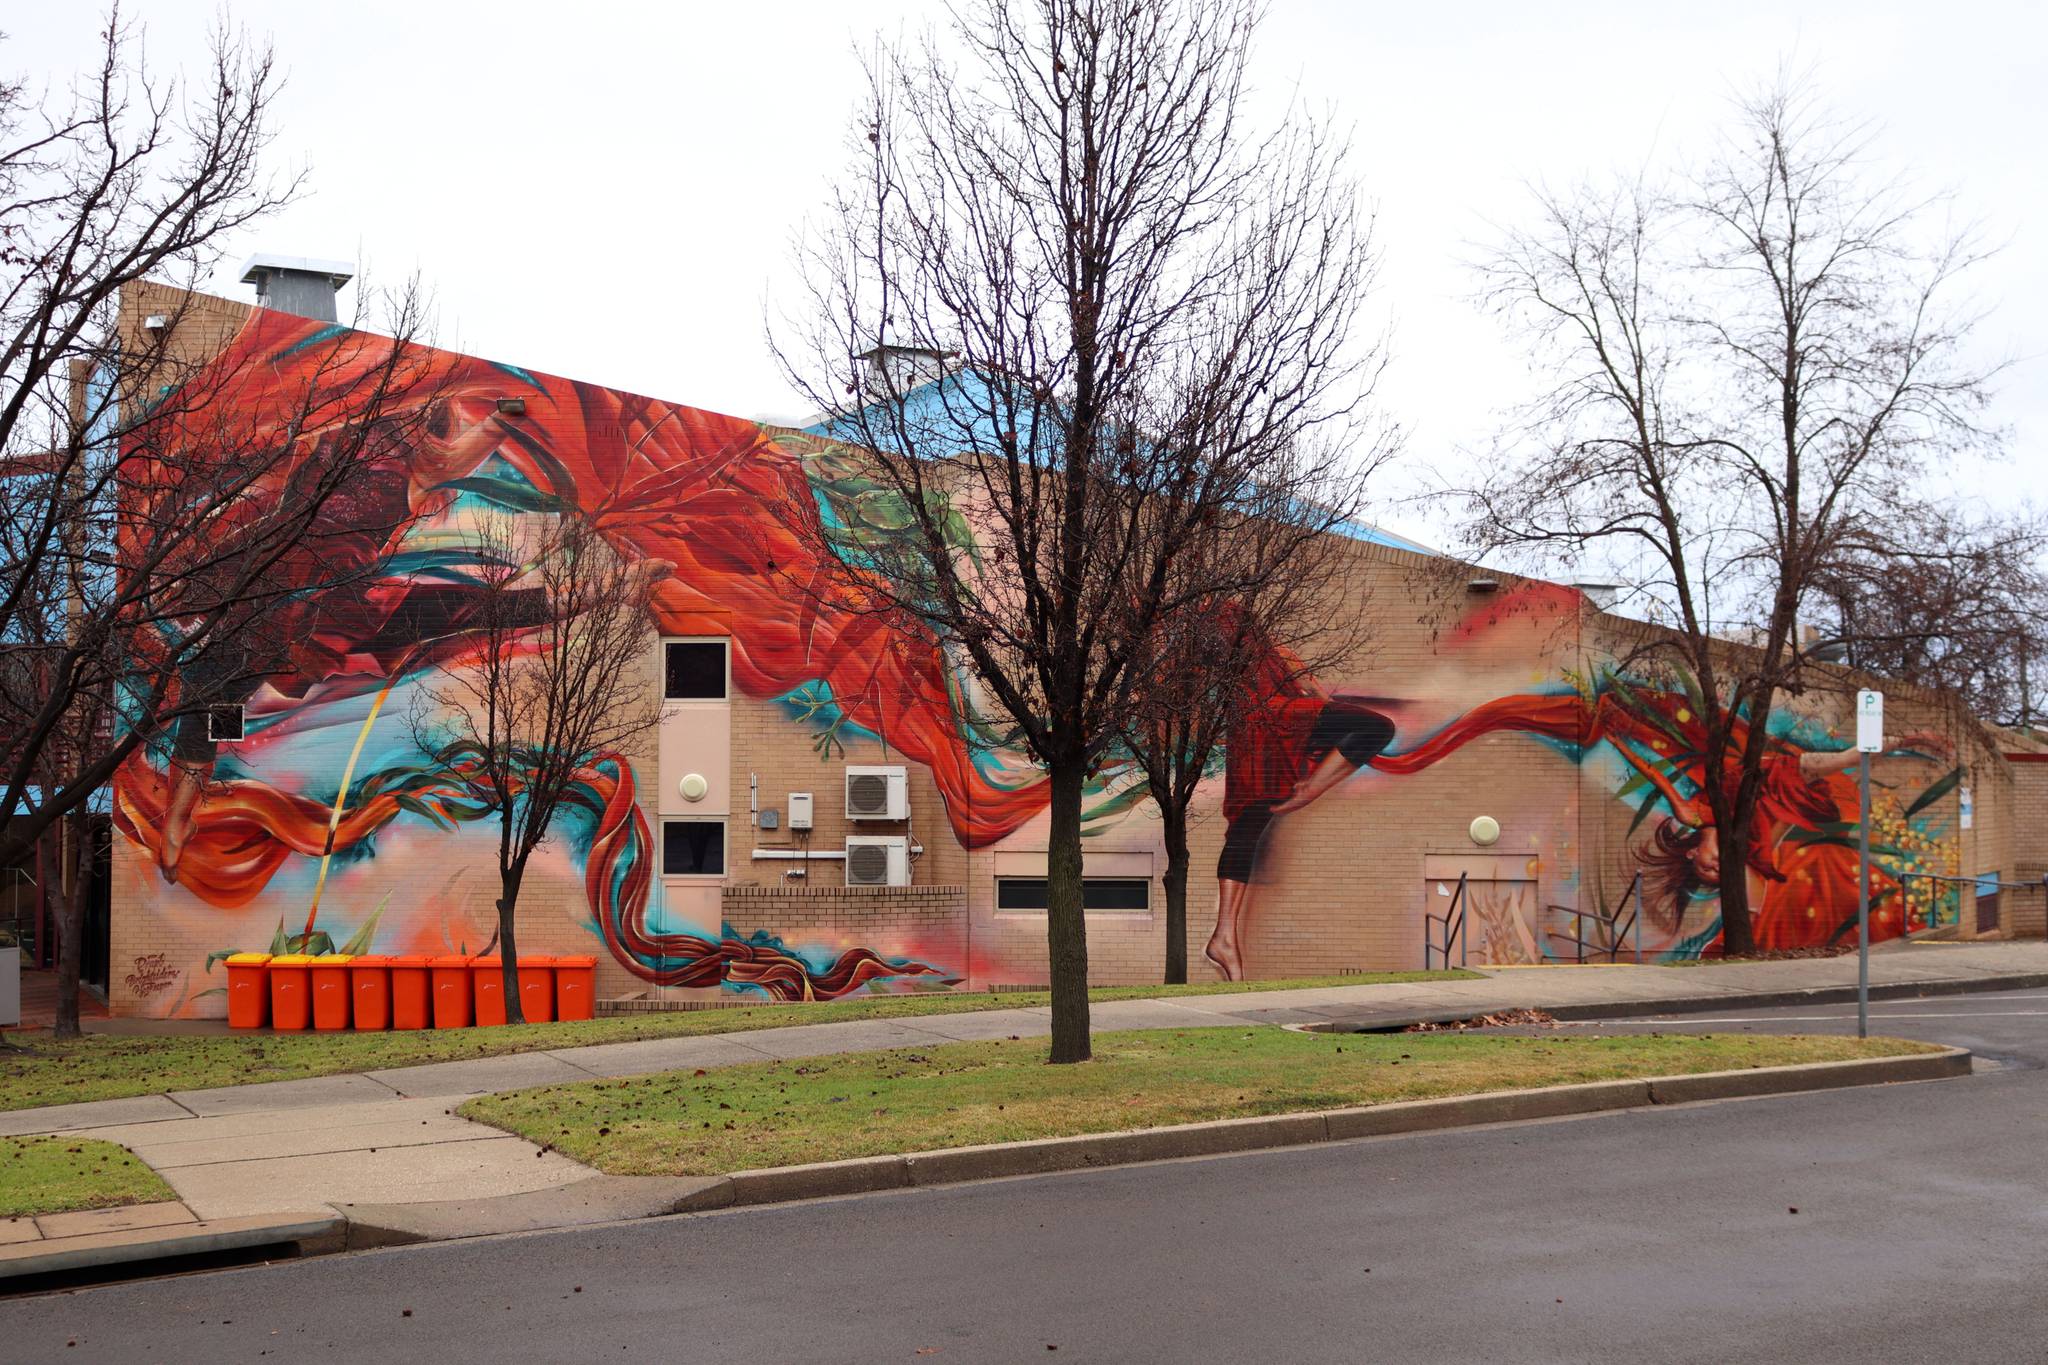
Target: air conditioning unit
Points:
(877, 793)
(877, 861)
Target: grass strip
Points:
(961, 1094)
(104, 1066)
(59, 1174)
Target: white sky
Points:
(608, 190)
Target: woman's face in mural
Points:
(1705, 856)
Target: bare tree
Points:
(1221, 659)
(1946, 601)
(169, 503)
(163, 566)
(125, 177)
(1142, 302)
(1751, 365)
(557, 685)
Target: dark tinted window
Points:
(691, 848)
(1097, 893)
(694, 671)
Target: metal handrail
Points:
(1453, 922)
(1633, 892)
(1998, 883)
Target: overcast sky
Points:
(607, 190)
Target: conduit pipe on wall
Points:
(790, 855)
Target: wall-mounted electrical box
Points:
(799, 810)
(769, 819)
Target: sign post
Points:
(1869, 740)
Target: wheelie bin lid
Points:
(412, 960)
(334, 959)
(486, 963)
(448, 960)
(292, 960)
(576, 960)
(371, 960)
(247, 959)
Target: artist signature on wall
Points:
(152, 974)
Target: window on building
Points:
(224, 723)
(1097, 893)
(693, 848)
(693, 670)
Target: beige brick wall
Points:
(2027, 825)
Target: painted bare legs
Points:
(1248, 830)
(1232, 900)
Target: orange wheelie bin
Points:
(369, 988)
(452, 991)
(487, 984)
(330, 991)
(536, 987)
(248, 990)
(412, 991)
(575, 987)
(291, 993)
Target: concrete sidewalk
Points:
(392, 1137)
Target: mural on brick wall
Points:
(327, 827)
(1645, 745)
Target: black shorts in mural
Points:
(1356, 731)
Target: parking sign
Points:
(1870, 722)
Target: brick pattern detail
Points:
(928, 923)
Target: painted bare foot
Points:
(179, 817)
(1223, 951)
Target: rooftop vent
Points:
(891, 368)
(1600, 593)
(299, 285)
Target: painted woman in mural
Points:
(1802, 866)
(1297, 744)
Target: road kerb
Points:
(819, 1180)
(996, 1161)
(1501, 1106)
(1783, 1080)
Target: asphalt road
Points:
(1920, 1233)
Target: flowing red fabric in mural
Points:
(714, 502)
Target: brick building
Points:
(821, 812)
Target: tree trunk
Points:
(74, 863)
(1738, 935)
(1175, 819)
(1066, 928)
(508, 944)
